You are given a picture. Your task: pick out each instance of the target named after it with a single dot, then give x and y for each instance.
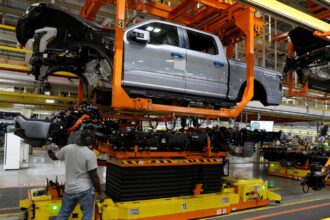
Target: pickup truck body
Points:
(162, 60)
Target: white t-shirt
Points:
(78, 161)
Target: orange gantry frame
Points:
(221, 17)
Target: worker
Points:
(80, 176)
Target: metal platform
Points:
(236, 194)
(289, 111)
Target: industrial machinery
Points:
(147, 173)
(316, 178)
(65, 126)
(301, 162)
(311, 62)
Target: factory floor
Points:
(295, 204)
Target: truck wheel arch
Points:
(261, 94)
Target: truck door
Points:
(159, 64)
(207, 66)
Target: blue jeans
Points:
(69, 202)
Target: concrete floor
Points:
(40, 168)
(313, 205)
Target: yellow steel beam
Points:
(7, 27)
(284, 11)
(14, 107)
(15, 49)
(31, 98)
(26, 69)
(14, 67)
(34, 101)
(66, 74)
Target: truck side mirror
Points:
(138, 36)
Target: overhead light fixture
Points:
(50, 101)
(149, 28)
(156, 30)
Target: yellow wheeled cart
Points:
(236, 194)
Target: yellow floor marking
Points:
(269, 207)
(275, 188)
(12, 214)
(288, 211)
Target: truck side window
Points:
(202, 43)
(162, 34)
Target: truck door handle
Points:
(177, 55)
(218, 63)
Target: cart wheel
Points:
(25, 214)
(305, 188)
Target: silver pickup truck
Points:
(162, 60)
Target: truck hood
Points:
(41, 15)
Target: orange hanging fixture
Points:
(225, 18)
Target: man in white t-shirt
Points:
(80, 176)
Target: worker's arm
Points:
(59, 155)
(95, 180)
(52, 155)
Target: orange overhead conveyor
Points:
(226, 16)
(232, 21)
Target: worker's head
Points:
(87, 138)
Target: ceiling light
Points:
(50, 101)
(156, 30)
(149, 28)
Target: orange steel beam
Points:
(230, 51)
(80, 96)
(181, 8)
(168, 155)
(224, 25)
(327, 163)
(314, 8)
(218, 4)
(202, 15)
(186, 12)
(282, 36)
(324, 36)
(78, 123)
(138, 118)
(323, 15)
(319, 12)
(91, 7)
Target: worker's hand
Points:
(52, 147)
(101, 197)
